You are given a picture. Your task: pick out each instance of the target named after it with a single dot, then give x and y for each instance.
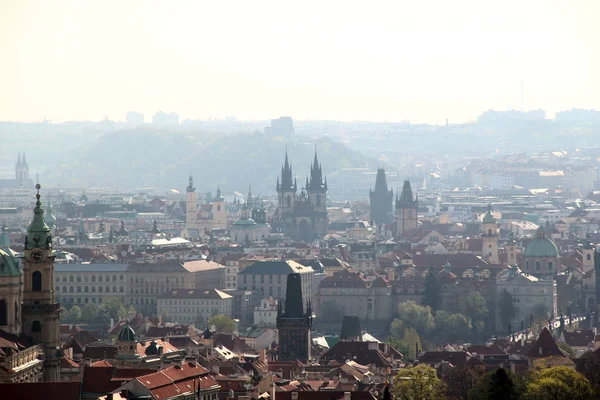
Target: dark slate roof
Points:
(358, 352)
(100, 352)
(294, 308)
(156, 267)
(270, 268)
(453, 357)
(580, 338)
(545, 346)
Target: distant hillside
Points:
(148, 158)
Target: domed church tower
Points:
(541, 255)
(40, 310)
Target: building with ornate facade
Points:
(541, 257)
(302, 216)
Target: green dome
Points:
(541, 246)
(244, 222)
(127, 334)
(8, 265)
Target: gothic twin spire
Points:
(314, 183)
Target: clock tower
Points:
(40, 311)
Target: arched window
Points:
(86, 289)
(107, 289)
(107, 279)
(121, 278)
(121, 289)
(550, 265)
(64, 289)
(78, 289)
(99, 278)
(36, 281)
(86, 278)
(3, 312)
(99, 289)
(93, 289)
(114, 278)
(114, 289)
(70, 289)
(93, 278)
(64, 278)
(70, 278)
(588, 257)
(78, 278)
(489, 232)
(36, 327)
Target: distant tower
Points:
(317, 193)
(40, 309)
(294, 324)
(127, 344)
(286, 189)
(489, 235)
(406, 210)
(21, 169)
(382, 201)
(191, 218)
(587, 253)
(219, 215)
(511, 250)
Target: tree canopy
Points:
(431, 290)
(506, 308)
(222, 323)
(558, 383)
(418, 383)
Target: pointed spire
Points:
(24, 159)
(191, 187)
(19, 159)
(38, 233)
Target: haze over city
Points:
(336, 60)
(276, 200)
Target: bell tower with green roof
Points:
(40, 310)
(489, 236)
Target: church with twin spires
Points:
(301, 214)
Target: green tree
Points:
(567, 348)
(89, 312)
(460, 380)
(496, 385)
(589, 366)
(397, 328)
(451, 327)
(418, 383)
(475, 307)
(112, 307)
(506, 308)
(558, 383)
(75, 314)
(415, 316)
(222, 323)
(431, 290)
(411, 341)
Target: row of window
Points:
(538, 265)
(88, 278)
(262, 278)
(188, 310)
(91, 289)
(192, 302)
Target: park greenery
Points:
(110, 308)
(222, 323)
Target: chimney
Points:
(347, 395)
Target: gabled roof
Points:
(545, 346)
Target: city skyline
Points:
(391, 62)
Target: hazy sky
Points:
(422, 61)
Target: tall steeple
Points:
(316, 175)
(38, 233)
(191, 187)
(40, 311)
(286, 177)
(294, 323)
(406, 210)
(382, 201)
